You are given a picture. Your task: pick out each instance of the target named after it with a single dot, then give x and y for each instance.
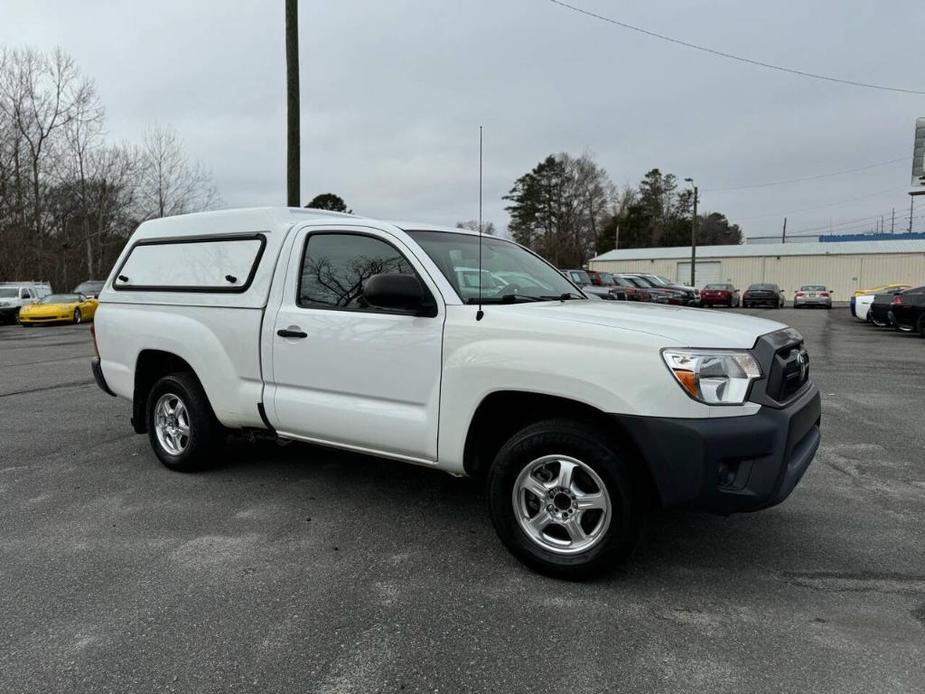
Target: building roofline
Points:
(766, 249)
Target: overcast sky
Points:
(393, 94)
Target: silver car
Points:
(813, 295)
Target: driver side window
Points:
(335, 267)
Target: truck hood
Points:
(680, 326)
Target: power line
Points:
(837, 230)
(807, 178)
(837, 203)
(857, 221)
(843, 227)
(730, 56)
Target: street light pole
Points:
(694, 234)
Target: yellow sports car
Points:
(881, 289)
(55, 308)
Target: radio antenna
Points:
(480, 313)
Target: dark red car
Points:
(635, 289)
(720, 294)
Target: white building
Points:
(843, 267)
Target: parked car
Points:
(879, 312)
(813, 295)
(908, 311)
(583, 280)
(861, 304)
(354, 333)
(690, 295)
(882, 289)
(606, 280)
(661, 294)
(763, 295)
(89, 288)
(860, 307)
(719, 294)
(636, 289)
(15, 295)
(58, 308)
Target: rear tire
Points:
(920, 325)
(182, 427)
(571, 525)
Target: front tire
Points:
(77, 318)
(564, 500)
(182, 427)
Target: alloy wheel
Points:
(561, 504)
(172, 424)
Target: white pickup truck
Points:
(360, 334)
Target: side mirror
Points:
(396, 292)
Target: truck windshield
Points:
(509, 272)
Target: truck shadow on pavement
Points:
(381, 492)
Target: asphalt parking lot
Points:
(303, 569)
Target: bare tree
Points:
(40, 95)
(473, 225)
(68, 199)
(168, 182)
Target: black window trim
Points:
(432, 308)
(194, 289)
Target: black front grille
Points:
(789, 372)
(785, 366)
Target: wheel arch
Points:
(502, 413)
(151, 365)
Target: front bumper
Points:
(730, 464)
(32, 318)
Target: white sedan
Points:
(862, 306)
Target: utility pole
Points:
(893, 222)
(293, 154)
(783, 235)
(693, 234)
(616, 241)
(911, 210)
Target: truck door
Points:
(343, 372)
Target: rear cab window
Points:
(213, 264)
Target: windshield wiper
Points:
(505, 299)
(562, 297)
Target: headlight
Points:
(714, 377)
